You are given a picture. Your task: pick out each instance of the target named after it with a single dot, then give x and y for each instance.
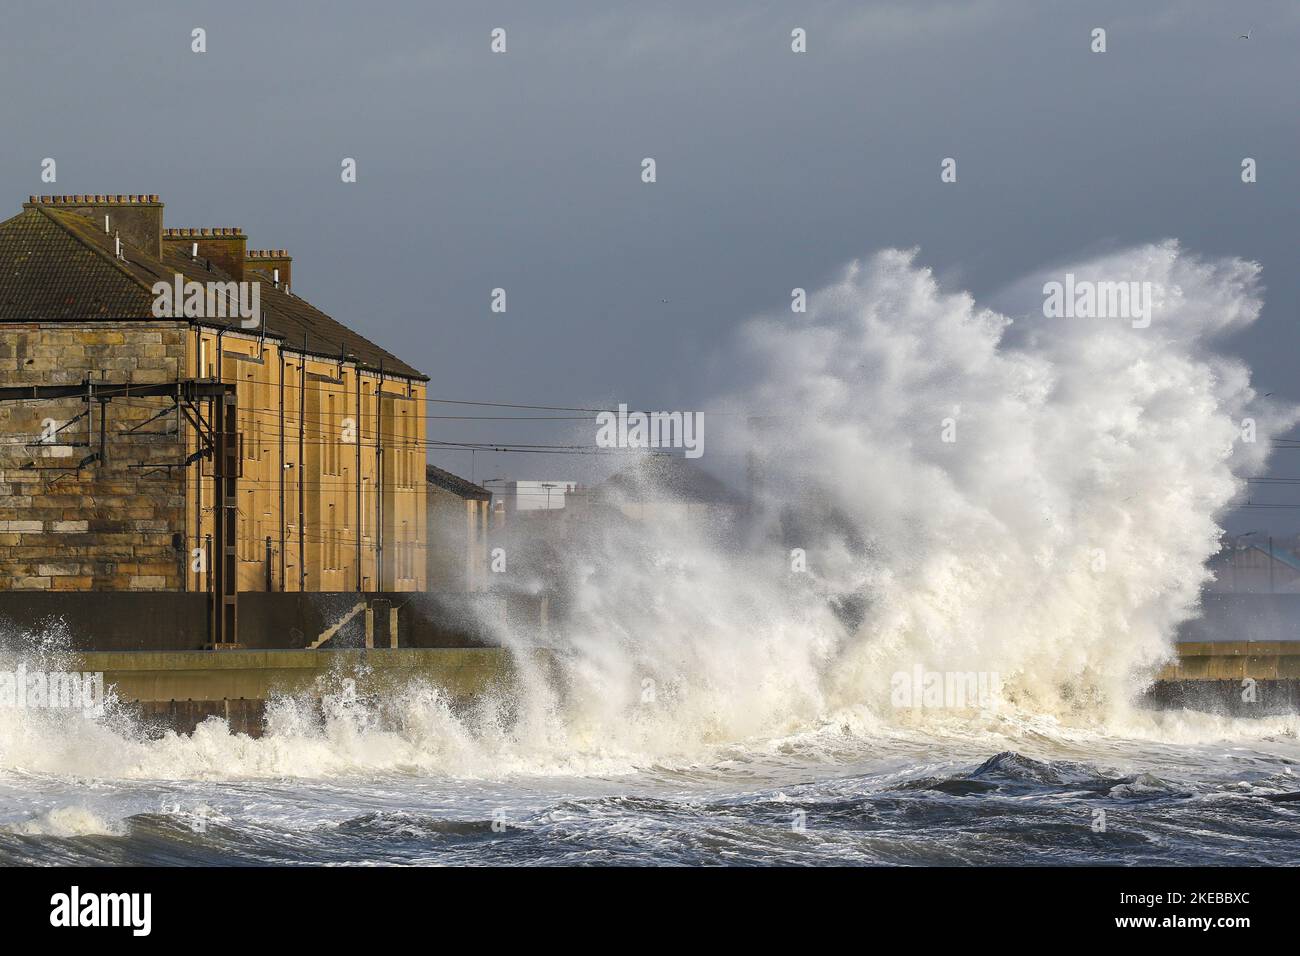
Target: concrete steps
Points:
(337, 626)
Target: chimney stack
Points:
(225, 247)
(138, 219)
(273, 262)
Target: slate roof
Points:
(48, 272)
(58, 265)
(456, 484)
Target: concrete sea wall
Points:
(177, 690)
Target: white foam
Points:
(72, 821)
(1074, 437)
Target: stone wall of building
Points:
(109, 525)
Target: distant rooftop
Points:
(456, 484)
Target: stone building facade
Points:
(105, 489)
(110, 524)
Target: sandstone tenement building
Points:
(118, 461)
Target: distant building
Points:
(515, 496)
(1255, 569)
(458, 532)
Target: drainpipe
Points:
(302, 442)
(357, 512)
(280, 351)
(217, 414)
(379, 479)
(198, 474)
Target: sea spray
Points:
(967, 495)
(1035, 502)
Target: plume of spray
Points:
(1033, 499)
(943, 490)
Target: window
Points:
(366, 427)
(247, 534)
(330, 432)
(406, 450)
(347, 490)
(401, 552)
(406, 553)
(252, 415)
(331, 542)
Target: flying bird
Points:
(1246, 35)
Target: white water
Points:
(1073, 437)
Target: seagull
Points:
(1246, 35)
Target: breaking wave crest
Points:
(942, 488)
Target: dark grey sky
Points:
(523, 170)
